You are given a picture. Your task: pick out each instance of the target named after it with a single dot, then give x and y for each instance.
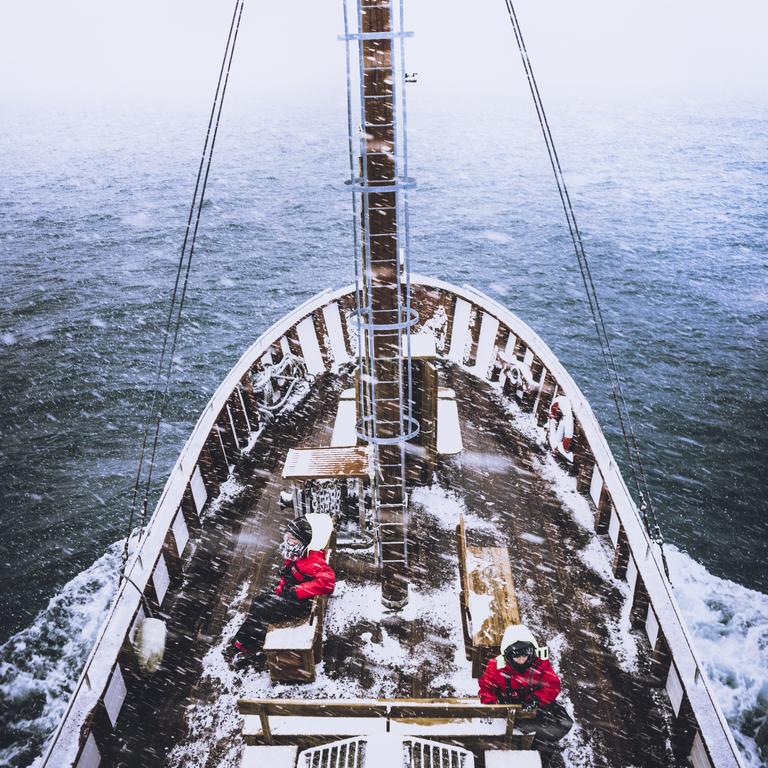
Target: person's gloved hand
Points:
(529, 705)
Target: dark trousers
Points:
(550, 725)
(268, 608)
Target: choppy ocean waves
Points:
(39, 666)
(730, 625)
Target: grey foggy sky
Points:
(593, 51)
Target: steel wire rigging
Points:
(631, 446)
(171, 331)
(158, 403)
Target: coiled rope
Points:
(156, 409)
(632, 448)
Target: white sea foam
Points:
(39, 666)
(730, 626)
(729, 623)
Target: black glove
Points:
(290, 594)
(529, 705)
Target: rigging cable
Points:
(655, 532)
(173, 322)
(625, 421)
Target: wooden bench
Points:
(488, 599)
(293, 648)
(308, 721)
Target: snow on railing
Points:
(686, 670)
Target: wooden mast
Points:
(383, 300)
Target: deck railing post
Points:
(510, 724)
(266, 731)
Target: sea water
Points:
(673, 209)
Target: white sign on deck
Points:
(161, 579)
(115, 695)
(335, 334)
(180, 532)
(309, 347)
(459, 331)
(199, 493)
(89, 757)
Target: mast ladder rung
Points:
(375, 35)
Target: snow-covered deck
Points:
(512, 494)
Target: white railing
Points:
(100, 666)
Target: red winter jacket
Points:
(505, 685)
(310, 575)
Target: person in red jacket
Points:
(520, 676)
(304, 575)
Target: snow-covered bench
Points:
(292, 721)
(488, 599)
(293, 648)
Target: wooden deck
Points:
(564, 600)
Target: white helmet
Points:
(518, 640)
(322, 528)
(517, 633)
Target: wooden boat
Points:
(471, 487)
